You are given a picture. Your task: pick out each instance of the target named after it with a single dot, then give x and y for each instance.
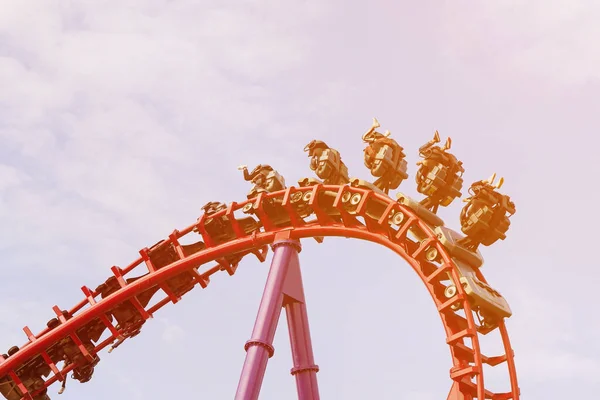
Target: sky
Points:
(120, 119)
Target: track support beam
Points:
(456, 394)
(304, 370)
(283, 289)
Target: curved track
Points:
(317, 211)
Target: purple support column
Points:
(260, 348)
(305, 370)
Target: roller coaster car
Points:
(30, 374)
(450, 239)
(327, 163)
(486, 301)
(439, 176)
(31, 381)
(274, 210)
(67, 350)
(385, 158)
(264, 179)
(64, 350)
(91, 331)
(220, 229)
(299, 200)
(84, 369)
(307, 182)
(161, 256)
(271, 182)
(374, 208)
(420, 211)
(362, 184)
(485, 217)
(33, 370)
(325, 199)
(128, 318)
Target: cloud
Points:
(15, 313)
(134, 387)
(10, 176)
(112, 109)
(549, 40)
(120, 119)
(546, 334)
(172, 334)
(420, 395)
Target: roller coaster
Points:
(278, 217)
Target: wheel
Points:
(346, 197)
(450, 291)
(398, 218)
(53, 323)
(13, 350)
(247, 208)
(296, 197)
(101, 288)
(431, 254)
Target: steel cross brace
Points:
(456, 394)
(283, 289)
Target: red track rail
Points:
(467, 362)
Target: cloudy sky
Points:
(120, 119)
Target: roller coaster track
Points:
(324, 211)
